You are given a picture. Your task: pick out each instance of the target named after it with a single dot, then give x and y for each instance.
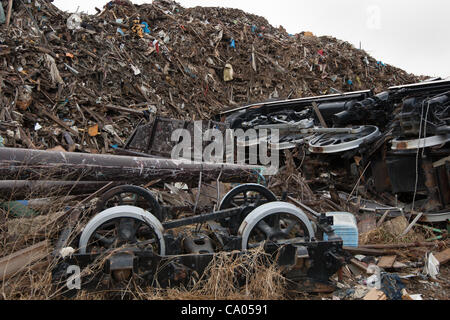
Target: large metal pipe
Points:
(27, 164)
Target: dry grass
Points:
(380, 235)
(248, 276)
(390, 231)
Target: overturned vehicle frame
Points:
(395, 144)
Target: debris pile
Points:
(82, 82)
(342, 218)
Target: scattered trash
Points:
(18, 209)
(37, 127)
(228, 73)
(119, 30)
(146, 27)
(74, 22)
(392, 286)
(25, 98)
(2, 15)
(93, 131)
(344, 225)
(375, 294)
(432, 266)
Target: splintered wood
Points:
(375, 294)
(20, 260)
(443, 257)
(387, 262)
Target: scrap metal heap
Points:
(83, 82)
(394, 142)
(127, 64)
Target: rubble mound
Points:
(84, 82)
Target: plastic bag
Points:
(2, 14)
(74, 22)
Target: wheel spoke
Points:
(234, 204)
(255, 245)
(275, 222)
(144, 243)
(289, 227)
(265, 228)
(258, 199)
(104, 240)
(128, 228)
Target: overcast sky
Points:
(410, 34)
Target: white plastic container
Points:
(344, 226)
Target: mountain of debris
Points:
(83, 82)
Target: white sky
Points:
(409, 34)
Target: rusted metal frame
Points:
(152, 135)
(202, 218)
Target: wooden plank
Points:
(359, 264)
(367, 223)
(319, 115)
(441, 162)
(375, 294)
(411, 224)
(8, 14)
(383, 217)
(386, 262)
(18, 261)
(443, 257)
(369, 252)
(398, 245)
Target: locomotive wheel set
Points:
(131, 240)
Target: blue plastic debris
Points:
(254, 28)
(232, 43)
(189, 72)
(114, 146)
(146, 28)
(120, 31)
(349, 82)
(392, 286)
(344, 226)
(18, 209)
